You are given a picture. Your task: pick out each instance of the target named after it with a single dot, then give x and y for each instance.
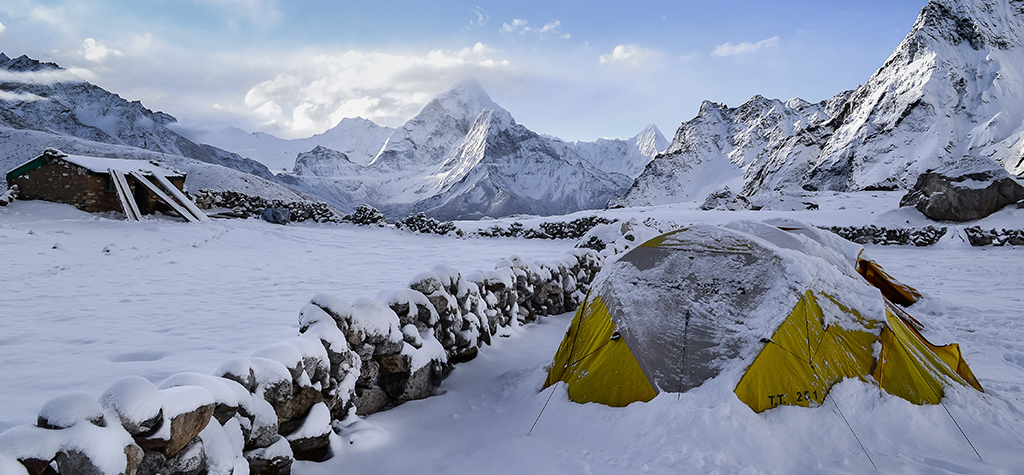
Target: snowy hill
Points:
(948, 98)
(463, 156)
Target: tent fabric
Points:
(804, 358)
(893, 290)
(596, 363)
(784, 307)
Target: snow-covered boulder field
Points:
(258, 414)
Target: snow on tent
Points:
(779, 307)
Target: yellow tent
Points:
(785, 301)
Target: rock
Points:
(290, 412)
(78, 463)
(275, 459)
(191, 460)
(311, 441)
(276, 215)
(37, 466)
(370, 400)
(726, 199)
(403, 386)
(259, 423)
(227, 394)
(138, 403)
(65, 410)
(184, 427)
(964, 197)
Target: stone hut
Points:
(88, 183)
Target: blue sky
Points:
(577, 70)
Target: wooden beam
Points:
(163, 197)
(124, 193)
(173, 190)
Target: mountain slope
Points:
(359, 139)
(949, 98)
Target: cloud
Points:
(20, 97)
(481, 15)
(41, 78)
(315, 93)
(96, 51)
(522, 27)
(516, 25)
(3, 29)
(746, 47)
(628, 55)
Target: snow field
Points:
(88, 300)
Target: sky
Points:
(576, 70)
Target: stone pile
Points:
(992, 237)
(925, 236)
(259, 414)
(248, 205)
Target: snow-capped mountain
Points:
(628, 157)
(502, 168)
(42, 96)
(78, 117)
(463, 156)
(949, 98)
(713, 149)
(359, 139)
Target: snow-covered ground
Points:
(86, 299)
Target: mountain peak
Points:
(465, 100)
(25, 64)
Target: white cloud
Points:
(45, 77)
(746, 47)
(20, 97)
(521, 26)
(628, 55)
(3, 29)
(96, 51)
(317, 92)
(516, 25)
(481, 15)
(52, 16)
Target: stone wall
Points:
(872, 234)
(258, 414)
(993, 237)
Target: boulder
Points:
(137, 402)
(275, 459)
(964, 197)
(370, 400)
(65, 410)
(311, 440)
(276, 215)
